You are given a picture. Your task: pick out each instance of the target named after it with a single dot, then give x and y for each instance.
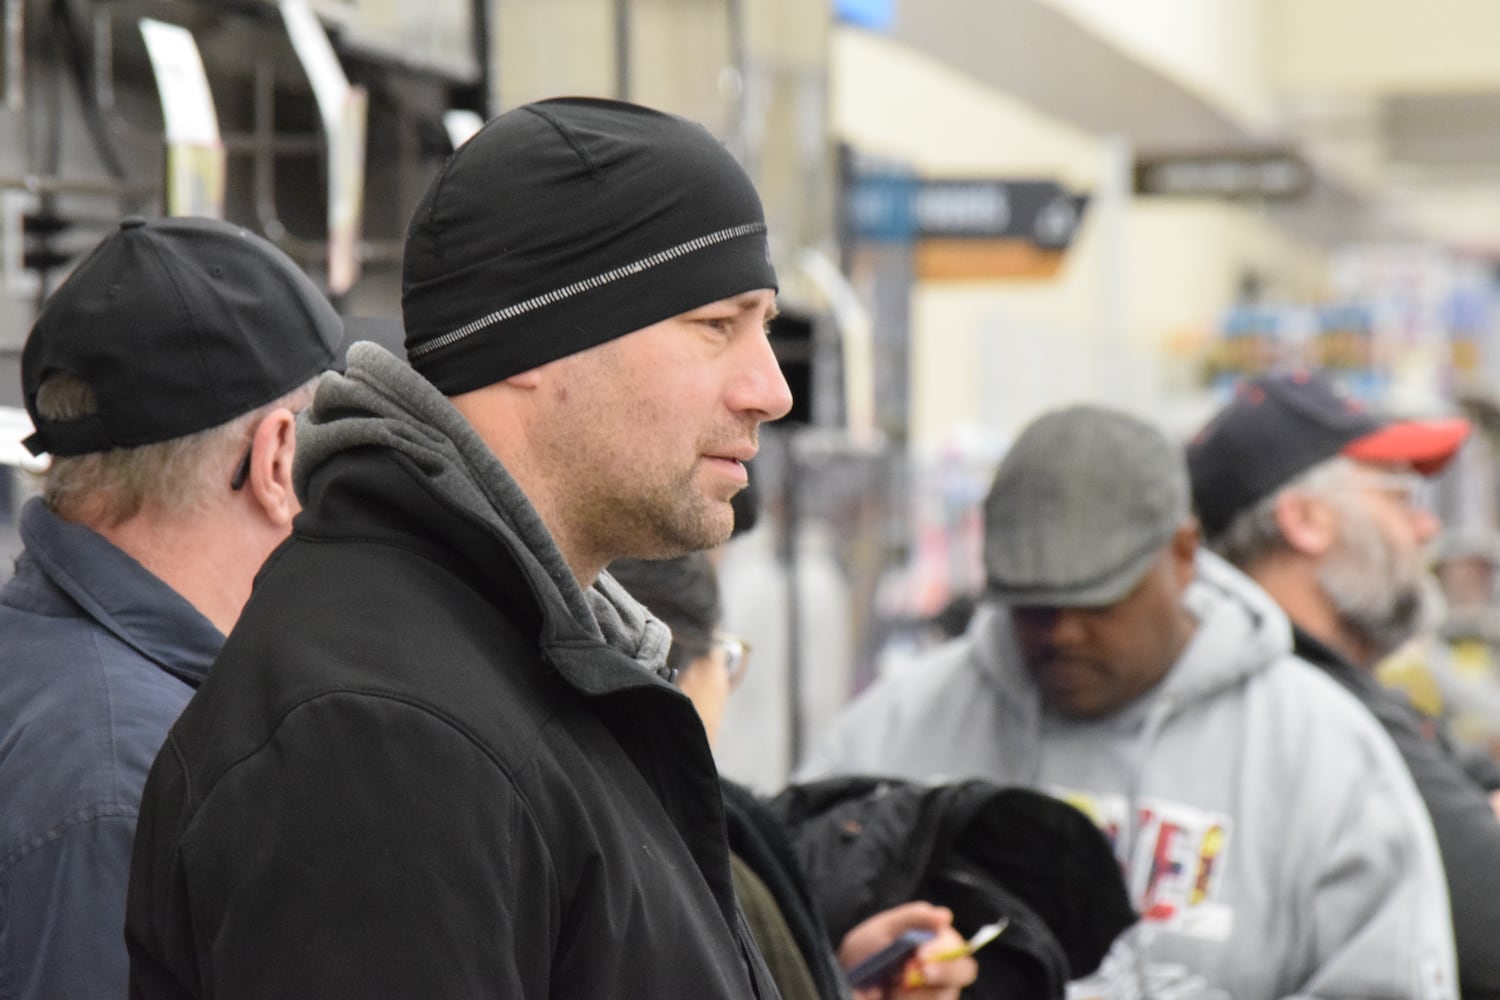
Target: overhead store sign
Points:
(967, 228)
(1269, 176)
(895, 208)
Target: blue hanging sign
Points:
(877, 15)
(896, 208)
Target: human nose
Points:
(1067, 627)
(1425, 524)
(761, 388)
(1054, 626)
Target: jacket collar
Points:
(120, 594)
(1320, 654)
(379, 403)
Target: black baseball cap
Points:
(1279, 425)
(178, 325)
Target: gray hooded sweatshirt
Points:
(1268, 831)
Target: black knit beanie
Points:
(566, 223)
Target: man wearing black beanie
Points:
(440, 755)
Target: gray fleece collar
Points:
(379, 400)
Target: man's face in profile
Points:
(1375, 574)
(655, 428)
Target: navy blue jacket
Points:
(97, 658)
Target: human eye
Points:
(1416, 493)
(716, 325)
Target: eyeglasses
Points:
(1410, 489)
(736, 656)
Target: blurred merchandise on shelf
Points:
(1406, 328)
(1252, 339)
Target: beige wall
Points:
(553, 49)
(1364, 46)
(678, 51)
(680, 55)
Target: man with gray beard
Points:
(1320, 503)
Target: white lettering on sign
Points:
(1267, 178)
(968, 208)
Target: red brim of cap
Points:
(1426, 444)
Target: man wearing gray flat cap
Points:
(1271, 839)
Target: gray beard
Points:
(1377, 598)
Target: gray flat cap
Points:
(1080, 508)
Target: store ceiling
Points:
(1427, 163)
(1401, 159)
(1446, 132)
(1038, 54)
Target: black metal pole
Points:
(486, 97)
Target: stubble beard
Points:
(662, 521)
(684, 519)
(683, 515)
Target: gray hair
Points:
(173, 477)
(1253, 534)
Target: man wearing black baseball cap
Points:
(162, 378)
(1319, 501)
(440, 754)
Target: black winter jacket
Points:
(416, 769)
(758, 839)
(1468, 835)
(865, 844)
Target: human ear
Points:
(1308, 524)
(273, 446)
(1184, 546)
(529, 379)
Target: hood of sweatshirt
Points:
(381, 402)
